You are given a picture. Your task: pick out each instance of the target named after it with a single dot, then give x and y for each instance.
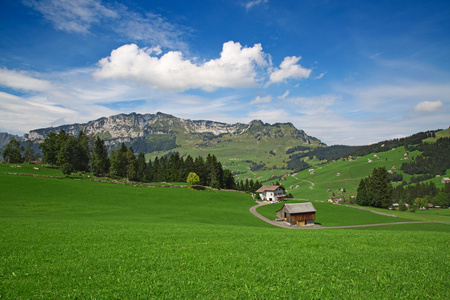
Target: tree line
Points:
(434, 160)
(84, 154)
(16, 153)
(377, 191)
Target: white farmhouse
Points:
(271, 193)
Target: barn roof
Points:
(267, 188)
(295, 208)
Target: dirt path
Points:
(286, 225)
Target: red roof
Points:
(269, 188)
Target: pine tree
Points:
(29, 155)
(100, 160)
(141, 167)
(50, 149)
(228, 180)
(82, 153)
(119, 162)
(131, 168)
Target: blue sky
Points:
(346, 72)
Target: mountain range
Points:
(155, 134)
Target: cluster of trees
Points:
(297, 148)
(248, 185)
(420, 194)
(435, 159)
(82, 154)
(295, 161)
(16, 153)
(68, 152)
(395, 143)
(375, 190)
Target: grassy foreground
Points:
(66, 238)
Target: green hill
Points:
(76, 238)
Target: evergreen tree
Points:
(66, 154)
(100, 160)
(200, 169)
(149, 172)
(376, 190)
(131, 168)
(362, 196)
(141, 167)
(50, 149)
(29, 155)
(13, 152)
(82, 153)
(228, 180)
(118, 162)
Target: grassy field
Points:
(343, 174)
(75, 238)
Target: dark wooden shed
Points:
(298, 213)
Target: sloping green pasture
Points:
(316, 186)
(67, 238)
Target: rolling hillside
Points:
(76, 238)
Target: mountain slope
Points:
(155, 134)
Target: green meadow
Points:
(76, 238)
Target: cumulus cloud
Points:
(429, 106)
(289, 69)
(19, 80)
(259, 99)
(237, 67)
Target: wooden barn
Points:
(298, 213)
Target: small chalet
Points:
(445, 180)
(298, 213)
(271, 193)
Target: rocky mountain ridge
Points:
(128, 127)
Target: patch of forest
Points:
(395, 143)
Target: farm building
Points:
(298, 213)
(445, 180)
(271, 193)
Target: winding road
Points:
(287, 225)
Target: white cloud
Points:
(320, 75)
(259, 99)
(429, 106)
(79, 16)
(28, 114)
(284, 95)
(252, 3)
(22, 81)
(236, 68)
(289, 69)
(72, 16)
(270, 116)
(312, 105)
